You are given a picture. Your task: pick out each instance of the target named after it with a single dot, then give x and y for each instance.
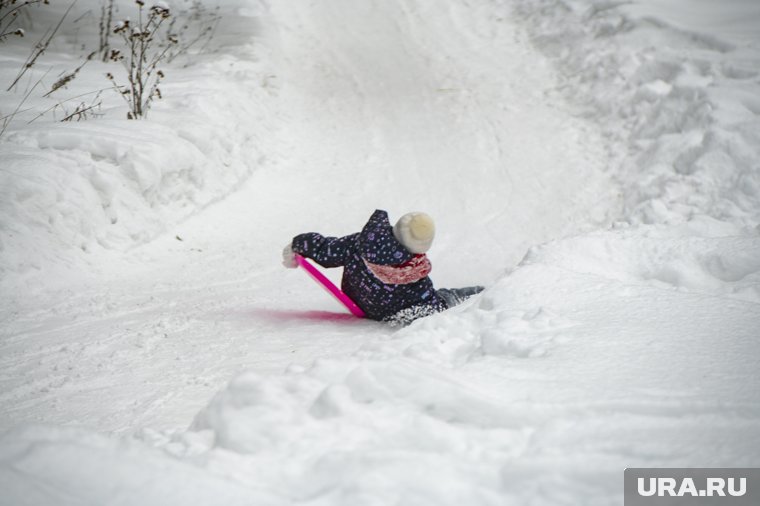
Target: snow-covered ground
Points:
(594, 164)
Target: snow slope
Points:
(194, 364)
(105, 186)
(675, 85)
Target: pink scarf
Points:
(413, 270)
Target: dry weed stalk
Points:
(61, 103)
(141, 58)
(10, 12)
(40, 48)
(6, 120)
(106, 20)
(67, 78)
(84, 110)
(192, 27)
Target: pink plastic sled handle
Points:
(330, 286)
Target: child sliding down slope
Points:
(385, 267)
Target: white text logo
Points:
(714, 487)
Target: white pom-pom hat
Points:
(415, 231)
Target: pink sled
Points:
(328, 285)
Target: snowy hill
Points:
(594, 165)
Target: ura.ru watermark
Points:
(692, 487)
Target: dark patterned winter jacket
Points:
(377, 245)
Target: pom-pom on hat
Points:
(415, 231)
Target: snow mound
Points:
(352, 430)
(572, 367)
(104, 185)
(678, 101)
(114, 169)
(50, 465)
(469, 405)
(670, 257)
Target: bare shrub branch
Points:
(140, 58)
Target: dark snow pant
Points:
(449, 296)
(455, 296)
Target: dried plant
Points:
(84, 110)
(141, 55)
(106, 20)
(11, 11)
(192, 28)
(67, 77)
(61, 104)
(40, 48)
(6, 120)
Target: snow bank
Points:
(72, 190)
(675, 85)
(44, 465)
(577, 364)
(568, 370)
(691, 257)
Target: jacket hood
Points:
(378, 245)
